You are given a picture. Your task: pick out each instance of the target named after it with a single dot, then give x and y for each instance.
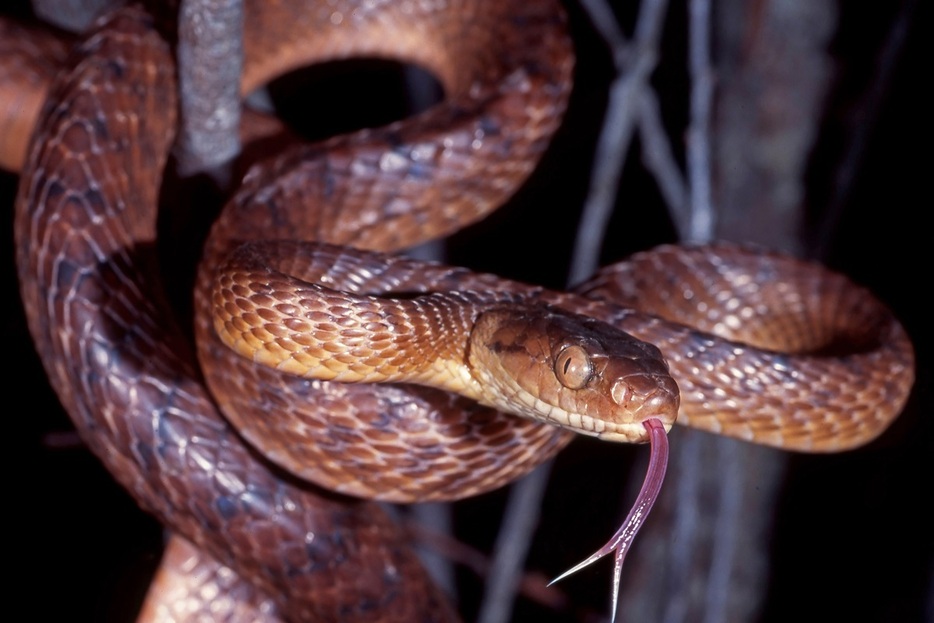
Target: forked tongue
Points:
(620, 542)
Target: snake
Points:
(401, 368)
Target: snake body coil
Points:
(124, 371)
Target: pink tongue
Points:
(620, 542)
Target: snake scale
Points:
(803, 359)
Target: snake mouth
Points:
(635, 432)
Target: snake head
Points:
(572, 371)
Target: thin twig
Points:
(512, 546)
(661, 163)
(683, 525)
(727, 523)
(634, 63)
(532, 585)
(604, 22)
(698, 149)
(440, 517)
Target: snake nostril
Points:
(658, 405)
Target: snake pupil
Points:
(573, 367)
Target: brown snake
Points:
(85, 232)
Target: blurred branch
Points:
(773, 76)
(440, 516)
(71, 15)
(512, 545)
(661, 163)
(532, 586)
(701, 223)
(210, 58)
(863, 123)
(634, 64)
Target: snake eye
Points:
(573, 367)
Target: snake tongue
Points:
(651, 486)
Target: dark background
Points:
(851, 538)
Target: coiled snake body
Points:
(122, 368)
